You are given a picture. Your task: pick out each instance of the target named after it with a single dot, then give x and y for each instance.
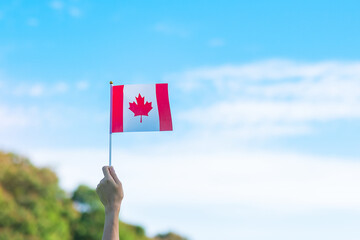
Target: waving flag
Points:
(140, 107)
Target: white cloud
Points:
(17, 117)
(57, 5)
(242, 111)
(75, 12)
(33, 90)
(289, 182)
(32, 22)
(61, 87)
(271, 71)
(36, 90)
(82, 85)
(216, 42)
(170, 29)
(278, 96)
(39, 89)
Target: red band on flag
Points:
(117, 108)
(162, 98)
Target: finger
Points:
(113, 174)
(106, 172)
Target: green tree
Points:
(34, 207)
(91, 222)
(169, 236)
(32, 204)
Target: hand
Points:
(110, 190)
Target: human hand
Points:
(110, 190)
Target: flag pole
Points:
(110, 127)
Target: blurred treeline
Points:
(34, 207)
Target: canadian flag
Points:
(140, 107)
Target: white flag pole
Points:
(110, 130)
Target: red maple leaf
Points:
(140, 108)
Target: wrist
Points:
(115, 209)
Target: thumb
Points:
(106, 172)
(113, 174)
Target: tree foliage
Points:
(32, 204)
(34, 207)
(169, 236)
(91, 221)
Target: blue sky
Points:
(265, 98)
